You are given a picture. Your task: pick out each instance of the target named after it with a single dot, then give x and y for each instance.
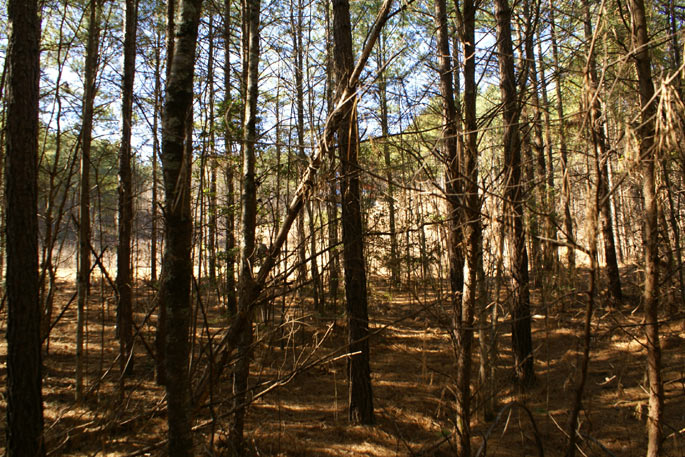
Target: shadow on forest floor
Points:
(413, 370)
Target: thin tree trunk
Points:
(161, 334)
(155, 153)
(24, 372)
(332, 200)
(248, 292)
(472, 232)
(124, 280)
(231, 299)
(591, 221)
(600, 141)
(213, 219)
(450, 154)
(359, 371)
(563, 149)
(394, 261)
(538, 144)
(175, 285)
(648, 157)
(84, 203)
(521, 332)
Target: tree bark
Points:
(521, 333)
(602, 151)
(161, 334)
(83, 274)
(394, 262)
(648, 157)
(24, 365)
(332, 203)
(175, 286)
(124, 280)
(472, 229)
(231, 299)
(247, 291)
(359, 371)
(563, 148)
(213, 218)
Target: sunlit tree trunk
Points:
(648, 157)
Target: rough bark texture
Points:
(650, 294)
(359, 372)
(175, 286)
(24, 374)
(124, 278)
(520, 309)
(83, 275)
(247, 290)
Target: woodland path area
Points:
(412, 363)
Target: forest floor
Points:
(412, 363)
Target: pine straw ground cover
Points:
(412, 362)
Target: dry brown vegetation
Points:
(299, 361)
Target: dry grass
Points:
(413, 374)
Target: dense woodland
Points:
(312, 227)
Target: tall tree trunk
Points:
(155, 155)
(161, 334)
(648, 155)
(247, 290)
(591, 222)
(450, 155)
(332, 200)
(520, 311)
(602, 154)
(472, 225)
(175, 285)
(563, 148)
(296, 22)
(394, 262)
(213, 219)
(24, 372)
(359, 371)
(83, 279)
(124, 281)
(531, 14)
(231, 299)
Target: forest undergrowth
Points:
(299, 390)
